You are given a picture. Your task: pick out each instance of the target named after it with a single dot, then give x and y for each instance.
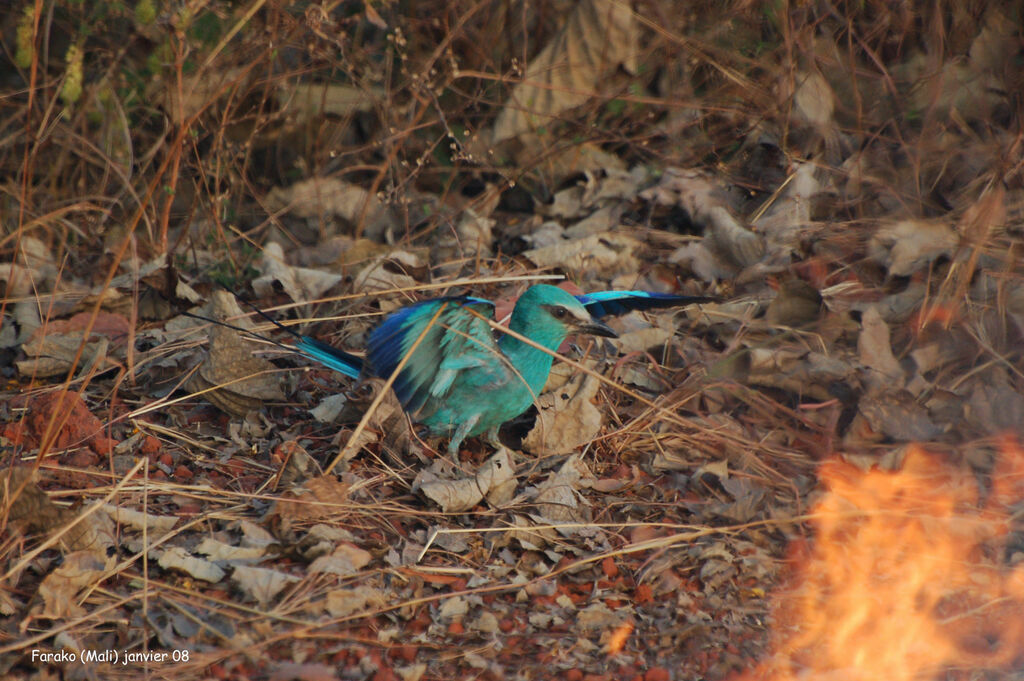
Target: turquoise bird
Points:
(458, 380)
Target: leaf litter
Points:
(635, 527)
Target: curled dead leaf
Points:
(177, 558)
(59, 589)
(300, 283)
(345, 602)
(55, 353)
(566, 417)
(875, 351)
(236, 381)
(600, 255)
(557, 497)
(317, 499)
(494, 477)
(597, 37)
(346, 559)
(261, 584)
(320, 197)
(910, 245)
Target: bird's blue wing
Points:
(455, 338)
(604, 303)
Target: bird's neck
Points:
(533, 364)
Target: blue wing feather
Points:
(457, 339)
(604, 303)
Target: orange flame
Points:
(907, 576)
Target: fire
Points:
(907, 578)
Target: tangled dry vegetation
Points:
(183, 502)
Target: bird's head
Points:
(548, 314)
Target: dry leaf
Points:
(177, 558)
(600, 255)
(31, 506)
(245, 381)
(642, 337)
(155, 526)
(563, 161)
(814, 105)
(603, 219)
(20, 324)
(453, 608)
(58, 589)
(18, 280)
(345, 602)
(498, 476)
(33, 510)
(565, 204)
(346, 560)
(875, 351)
(897, 416)
(221, 552)
(395, 270)
(907, 246)
(814, 102)
(611, 186)
(557, 497)
(9, 605)
(810, 374)
(454, 496)
(529, 535)
(729, 243)
(898, 307)
(54, 354)
(96, 532)
(260, 583)
(485, 623)
(413, 672)
(34, 272)
(471, 240)
(306, 101)
(388, 424)
(704, 262)
(995, 406)
(328, 197)
(786, 221)
(731, 240)
(599, 617)
(566, 417)
(598, 36)
(300, 283)
(748, 500)
(317, 499)
(298, 467)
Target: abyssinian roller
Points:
(459, 380)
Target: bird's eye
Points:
(560, 313)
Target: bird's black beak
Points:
(595, 328)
